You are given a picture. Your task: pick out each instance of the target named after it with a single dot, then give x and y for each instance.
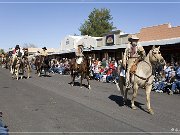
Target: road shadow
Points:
(78, 84)
(46, 75)
(120, 101)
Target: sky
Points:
(46, 23)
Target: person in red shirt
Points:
(109, 75)
(16, 48)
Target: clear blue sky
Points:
(46, 24)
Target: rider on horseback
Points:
(44, 52)
(25, 55)
(132, 55)
(16, 53)
(79, 53)
(25, 51)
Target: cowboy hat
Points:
(17, 47)
(80, 45)
(133, 37)
(44, 48)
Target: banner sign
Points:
(110, 39)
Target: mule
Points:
(143, 76)
(81, 68)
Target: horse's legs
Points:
(45, 72)
(72, 78)
(28, 71)
(81, 80)
(125, 95)
(11, 69)
(22, 72)
(39, 71)
(135, 89)
(89, 86)
(17, 73)
(148, 92)
(121, 84)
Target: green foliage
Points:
(98, 23)
(2, 51)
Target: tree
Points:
(98, 23)
(30, 45)
(2, 51)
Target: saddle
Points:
(134, 66)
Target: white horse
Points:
(143, 77)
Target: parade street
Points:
(51, 105)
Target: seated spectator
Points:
(3, 128)
(109, 77)
(162, 83)
(176, 82)
(167, 69)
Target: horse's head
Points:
(156, 57)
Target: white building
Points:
(70, 43)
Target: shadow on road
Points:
(120, 101)
(78, 84)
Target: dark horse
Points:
(42, 63)
(82, 69)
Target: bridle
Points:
(157, 60)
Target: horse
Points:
(143, 76)
(81, 68)
(16, 66)
(26, 66)
(42, 63)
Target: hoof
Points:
(81, 87)
(133, 107)
(72, 84)
(151, 111)
(89, 87)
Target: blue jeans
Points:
(109, 78)
(3, 130)
(98, 76)
(175, 85)
(161, 86)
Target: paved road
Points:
(50, 104)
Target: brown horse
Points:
(82, 69)
(42, 63)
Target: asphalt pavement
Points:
(50, 105)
